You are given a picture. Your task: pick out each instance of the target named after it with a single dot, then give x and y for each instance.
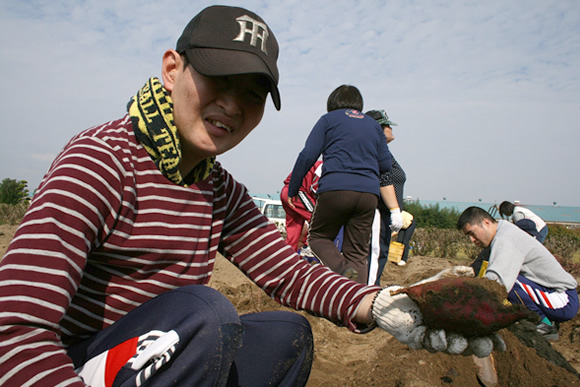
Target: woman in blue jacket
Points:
(354, 153)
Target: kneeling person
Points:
(529, 272)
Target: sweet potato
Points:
(469, 306)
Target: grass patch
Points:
(12, 214)
(562, 242)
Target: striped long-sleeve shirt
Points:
(106, 231)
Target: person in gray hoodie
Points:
(530, 273)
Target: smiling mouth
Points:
(220, 125)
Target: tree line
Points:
(14, 191)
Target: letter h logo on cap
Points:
(254, 32)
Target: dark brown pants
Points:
(354, 211)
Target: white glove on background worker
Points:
(396, 220)
(401, 317)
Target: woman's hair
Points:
(506, 209)
(345, 97)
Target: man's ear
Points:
(170, 67)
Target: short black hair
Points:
(473, 215)
(345, 97)
(185, 60)
(506, 208)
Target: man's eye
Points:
(257, 96)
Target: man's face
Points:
(214, 114)
(481, 234)
(388, 131)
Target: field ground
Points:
(377, 359)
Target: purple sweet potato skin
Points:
(469, 306)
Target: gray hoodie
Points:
(514, 252)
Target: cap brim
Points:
(382, 121)
(213, 62)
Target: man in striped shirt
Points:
(103, 283)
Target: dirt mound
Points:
(377, 359)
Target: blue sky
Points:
(486, 93)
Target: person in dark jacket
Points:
(355, 154)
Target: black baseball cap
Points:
(222, 40)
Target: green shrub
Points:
(564, 243)
(436, 235)
(432, 216)
(558, 230)
(443, 243)
(13, 191)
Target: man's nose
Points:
(229, 100)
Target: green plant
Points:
(13, 191)
(558, 230)
(443, 243)
(432, 215)
(563, 241)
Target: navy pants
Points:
(404, 237)
(544, 301)
(193, 336)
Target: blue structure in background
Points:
(550, 214)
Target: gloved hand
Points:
(401, 317)
(396, 220)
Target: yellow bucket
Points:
(396, 251)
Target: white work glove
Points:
(401, 317)
(396, 220)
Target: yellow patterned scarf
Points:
(151, 112)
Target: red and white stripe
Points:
(550, 300)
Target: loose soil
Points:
(343, 358)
